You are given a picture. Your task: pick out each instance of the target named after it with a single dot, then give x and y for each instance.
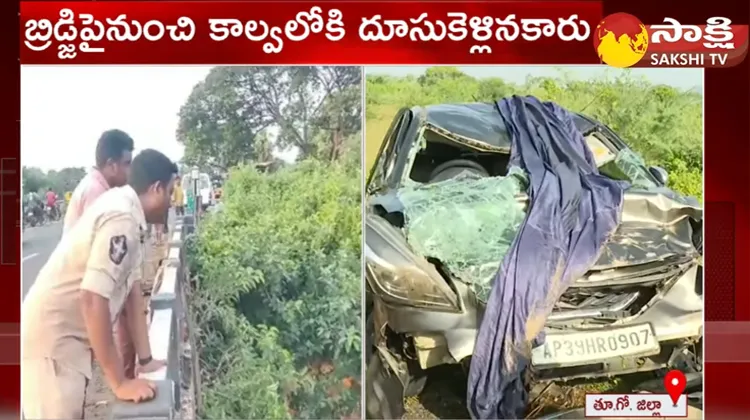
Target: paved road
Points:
(38, 244)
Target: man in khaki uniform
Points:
(114, 153)
(93, 274)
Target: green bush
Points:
(663, 124)
(279, 301)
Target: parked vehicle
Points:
(639, 308)
(205, 189)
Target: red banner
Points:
(306, 33)
(356, 33)
(367, 33)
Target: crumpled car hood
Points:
(655, 226)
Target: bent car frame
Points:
(639, 308)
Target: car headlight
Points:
(399, 277)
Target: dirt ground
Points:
(98, 395)
(444, 396)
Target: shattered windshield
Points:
(467, 223)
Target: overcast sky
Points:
(688, 79)
(64, 109)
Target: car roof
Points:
(481, 121)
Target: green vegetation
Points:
(36, 180)
(242, 114)
(663, 124)
(278, 296)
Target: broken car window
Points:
(467, 223)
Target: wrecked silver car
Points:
(442, 210)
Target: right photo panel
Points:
(533, 236)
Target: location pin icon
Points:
(675, 383)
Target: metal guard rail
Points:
(165, 334)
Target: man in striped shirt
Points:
(114, 152)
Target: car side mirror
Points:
(659, 173)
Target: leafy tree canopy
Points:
(229, 117)
(35, 179)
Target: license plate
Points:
(581, 347)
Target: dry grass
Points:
(444, 396)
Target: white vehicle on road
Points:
(205, 190)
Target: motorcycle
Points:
(52, 213)
(31, 219)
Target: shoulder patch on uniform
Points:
(118, 248)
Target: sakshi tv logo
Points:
(622, 40)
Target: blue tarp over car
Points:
(572, 211)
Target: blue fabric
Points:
(572, 211)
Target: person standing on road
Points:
(114, 152)
(36, 205)
(178, 199)
(94, 272)
(52, 203)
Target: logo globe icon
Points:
(621, 40)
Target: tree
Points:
(340, 117)
(224, 120)
(301, 101)
(491, 89)
(436, 75)
(66, 179)
(219, 121)
(34, 179)
(265, 161)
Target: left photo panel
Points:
(191, 242)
